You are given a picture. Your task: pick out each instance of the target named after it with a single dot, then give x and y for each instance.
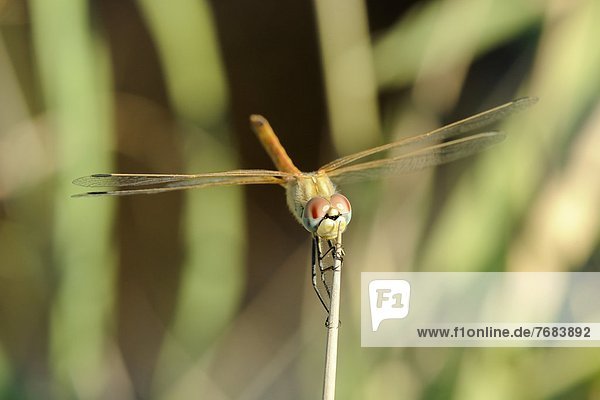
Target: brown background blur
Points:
(206, 294)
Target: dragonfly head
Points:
(326, 218)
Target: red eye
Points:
(340, 202)
(317, 207)
(314, 212)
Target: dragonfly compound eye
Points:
(314, 212)
(341, 211)
(341, 203)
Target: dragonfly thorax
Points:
(313, 200)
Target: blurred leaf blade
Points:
(76, 86)
(213, 274)
(436, 35)
(186, 40)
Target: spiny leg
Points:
(316, 259)
(338, 254)
(322, 268)
(329, 250)
(337, 257)
(337, 251)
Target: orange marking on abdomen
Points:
(272, 145)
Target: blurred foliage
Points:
(206, 294)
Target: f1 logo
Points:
(389, 299)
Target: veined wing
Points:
(417, 160)
(127, 184)
(452, 131)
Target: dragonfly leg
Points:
(322, 268)
(337, 251)
(338, 254)
(329, 250)
(317, 259)
(337, 257)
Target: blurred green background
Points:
(206, 294)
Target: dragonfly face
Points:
(314, 202)
(327, 218)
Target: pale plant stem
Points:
(333, 324)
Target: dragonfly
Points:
(313, 197)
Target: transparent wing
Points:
(417, 160)
(127, 184)
(452, 131)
